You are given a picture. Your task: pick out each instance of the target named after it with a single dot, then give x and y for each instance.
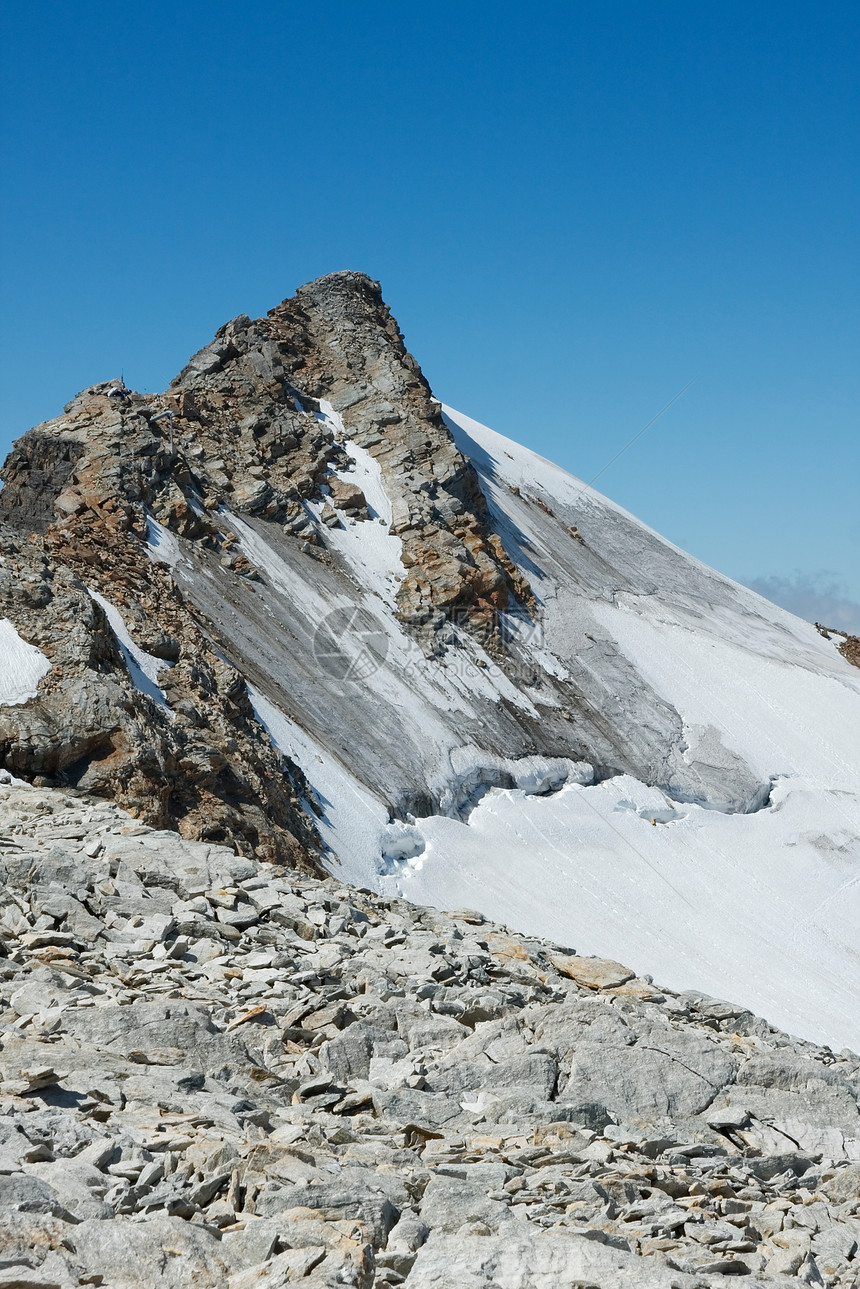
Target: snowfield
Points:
(760, 908)
(729, 862)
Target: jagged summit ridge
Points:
(336, 340)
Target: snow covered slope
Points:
(763, 906)
(752, 893)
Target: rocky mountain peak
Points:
(241, 431)
(336, 341)
(282, 606)
(339, 339)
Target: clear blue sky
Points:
(573, 208)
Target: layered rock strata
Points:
(338, 341)
(240, 431)
(216, 1073)
(192, 756)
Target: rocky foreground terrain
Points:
(218, 1072)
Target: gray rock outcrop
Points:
(219, 1073)
(34, 475)
(338, 341)
(194, 759)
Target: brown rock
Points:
(347, 496)
(592, 973)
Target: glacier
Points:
(754, 897)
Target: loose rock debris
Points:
(216, 1072)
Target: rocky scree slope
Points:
(221, 1073)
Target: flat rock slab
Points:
(592, 973)
(164, 1251)
(287, 1267)
(526, 1259)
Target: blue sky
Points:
(573, 208)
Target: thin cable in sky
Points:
(639, 435)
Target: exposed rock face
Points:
(33, 475)
(335, 340)
(848, 645)
(240, 432)
(221, 1075)
(850, 649)
(240, 428)
(198, 761)
(339, 342)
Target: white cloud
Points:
(818, 597)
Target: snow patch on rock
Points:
(366, 546)
(22, 666)
(162, 546)
(143, 667)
